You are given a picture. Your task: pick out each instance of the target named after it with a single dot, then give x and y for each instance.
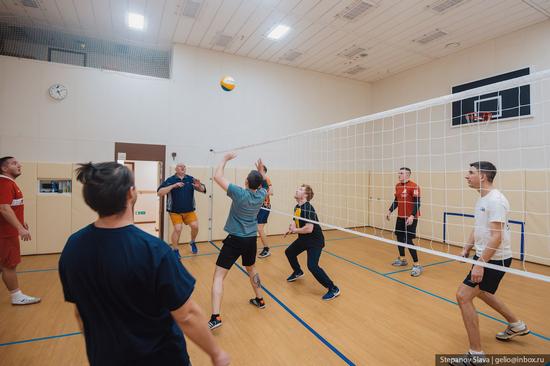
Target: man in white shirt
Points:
(491, 239)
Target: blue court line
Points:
(39, 339)
(426, 292)
(295, 316)
(427, 265)
(37, 270)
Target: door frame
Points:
(146, 152)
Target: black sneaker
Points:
(259, 303)
(294, 276)
(215, 322)
(264, 253)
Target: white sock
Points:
(16, 295)
(476, 353)
(517, 324)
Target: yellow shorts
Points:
(183, 218)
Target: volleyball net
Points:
(352, 167)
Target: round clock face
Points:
(58, 91)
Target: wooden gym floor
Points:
(382, 317)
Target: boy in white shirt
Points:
(491, 239)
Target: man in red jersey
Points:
(407, 202)
(12, 225)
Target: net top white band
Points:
(514, 271)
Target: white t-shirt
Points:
(493, 207)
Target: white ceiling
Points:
(386, 30)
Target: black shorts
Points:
(491, 277)
(234, 247)
(402, 231)
(262, 216)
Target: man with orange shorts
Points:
(180, 204)
(12, 225)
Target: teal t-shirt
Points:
(242, 219)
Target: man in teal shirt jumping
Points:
(241, 226)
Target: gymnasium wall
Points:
(523, 48)
(361, 198)
(342, 198)
(520, 143)
(189, 113)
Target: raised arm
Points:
(260, 167)
(219, 177)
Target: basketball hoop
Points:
(478, 116)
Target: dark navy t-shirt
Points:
(124, 283)
(180, 199)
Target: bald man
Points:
(180, 204)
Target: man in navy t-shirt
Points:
(132, 295)
(180, 204)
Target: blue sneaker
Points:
(331, 294)
(294, 276)
(177, 253)
(194, 248)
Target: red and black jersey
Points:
(10, 194)
(407, 199)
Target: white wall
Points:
(189, 113)
(426, 141)
(145, 175)
(528, 47)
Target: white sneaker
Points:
(416, 270)
(25, 300)
(510, 332)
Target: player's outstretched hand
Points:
(230, 156)
(259, 165)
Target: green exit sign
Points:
(140, 212)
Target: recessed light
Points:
(278, 32)
(136, 21)
(452, 45)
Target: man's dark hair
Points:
(106, 186)
(254, 179)
(487, 168)
(405, 168)
(3, 161)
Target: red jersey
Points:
(10, 194)
(406, 194)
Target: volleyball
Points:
(227, 83)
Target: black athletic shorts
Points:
(402, 231)
(491, 277)
(234, 247)
(262, 216)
